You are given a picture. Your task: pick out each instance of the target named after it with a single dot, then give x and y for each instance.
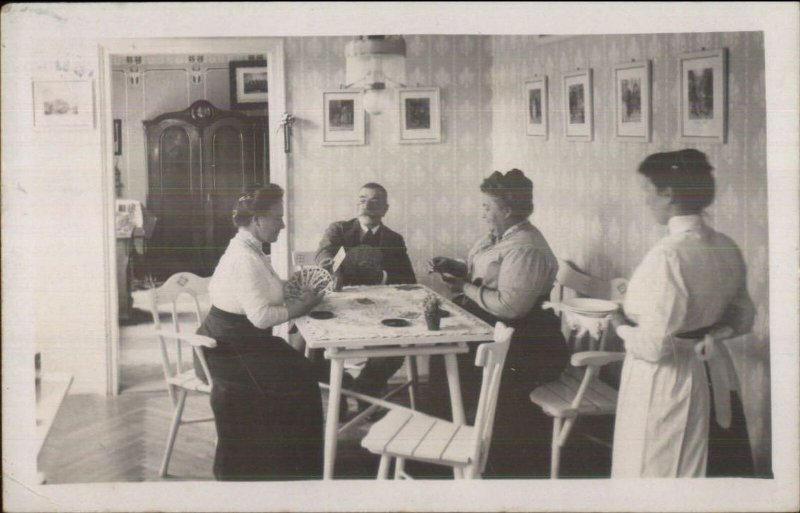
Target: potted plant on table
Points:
(433, 316)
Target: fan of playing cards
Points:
(311, 277)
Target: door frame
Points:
(273, 48)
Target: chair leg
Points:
(413, 377)
(399, 467)
(173, 432)
(555, 455)
(383, 468)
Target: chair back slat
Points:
(302, 259)
(492, 358)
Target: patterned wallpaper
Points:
(588, 201)
(433, 188)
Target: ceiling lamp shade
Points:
(378, 65)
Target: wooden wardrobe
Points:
(199, 161)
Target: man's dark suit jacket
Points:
(391, 244)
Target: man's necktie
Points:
(370, 239)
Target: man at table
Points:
(375, 255)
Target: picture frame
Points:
(343, 118)
(536, 107)
(577, 105)
(248, 84)
(703, 96)
(63, 104)
(420, 115)
(632, 101)
(117, 137)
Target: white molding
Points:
(273, 48)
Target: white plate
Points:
(589, 306)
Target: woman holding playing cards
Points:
(265, 398)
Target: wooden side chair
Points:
(179, 373)
(579, 391)
(408, 434)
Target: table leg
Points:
(456, 403)
(332, 418)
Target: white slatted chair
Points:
(579, 391)
(302, 259)
(179, 374)
(407, 434)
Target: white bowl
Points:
(589, 306)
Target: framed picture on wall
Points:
(63, 104)
(117, 137)
(343, 118)
(632, 101)
(536, 107)
(248, 84)
(577, 93)
(420, 115)
(703, 96)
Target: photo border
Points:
(690, 131)
(83, 121)
(644, 128)
(246, 101)
(584, 131)
(532, 129)
(434, 133)
(357, 136)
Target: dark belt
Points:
(698, 333)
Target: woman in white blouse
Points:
(509, 272)
(266, 400)
(691, 282)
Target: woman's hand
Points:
(306, 302)
(443, 265)
(455, 283)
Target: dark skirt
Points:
(729, 452)
(266, 402)
(521, 435)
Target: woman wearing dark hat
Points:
(509, 272)
(265, 398)
(691, 283)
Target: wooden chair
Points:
(407, 434)
(179, 374)
(579, 391)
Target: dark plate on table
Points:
(320, 314)
(408, 287)
(365, 301)
(395, 323)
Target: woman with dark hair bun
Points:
(690, 284)
(266, 400)
(509, 272)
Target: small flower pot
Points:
(433, 321)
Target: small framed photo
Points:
(63, 104)
(578, 119)
(536, 107)
(703, 101)
(632, 101)
(249, 88)
(420, 115)
(343, 118)
(117, 137)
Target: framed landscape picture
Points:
(632, 101)
(343, 118)
(420, 115)
(63, 104)
(536, 107)
(248, 84)
(577, 108)
(703, 96)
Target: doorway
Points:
(179, 150)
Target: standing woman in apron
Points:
(266, 400)
(690, 283)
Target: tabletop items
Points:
(310, 277)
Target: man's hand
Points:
(455, 283)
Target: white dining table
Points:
(356, 330)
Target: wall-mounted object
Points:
(420, 115)
(536, 106)
(632, 101)
(63, 104)
(343, 118)
(376, 64)
(577, 105)
(117, 137)
(248, 84)
(703, 96)
(287, 120)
